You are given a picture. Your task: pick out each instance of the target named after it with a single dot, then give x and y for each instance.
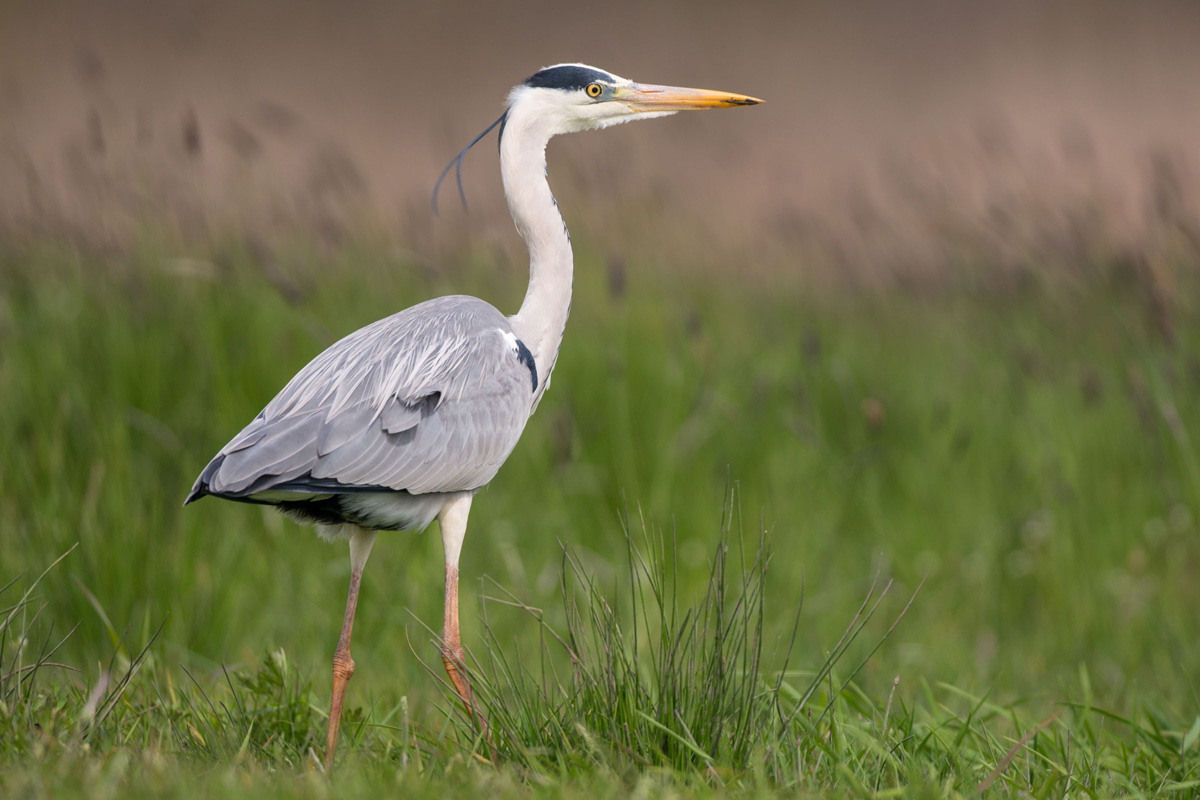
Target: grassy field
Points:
(722, 474)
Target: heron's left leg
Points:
(343, 665)
(453, 522)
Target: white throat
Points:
(543, 315)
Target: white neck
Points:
(543, 315)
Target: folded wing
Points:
(432, 399)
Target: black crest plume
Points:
(457, 162)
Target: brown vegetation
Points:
(898, 139)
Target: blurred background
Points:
(889, 127)
(932, 308)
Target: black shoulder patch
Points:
(526, 358)
(567, 76)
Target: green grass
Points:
(656, 585)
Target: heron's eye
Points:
(594, 89)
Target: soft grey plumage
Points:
(429, 400)
(404, 420)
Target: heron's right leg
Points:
(453, 522)
(343, 664)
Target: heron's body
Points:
(380, 428)
(401, 422)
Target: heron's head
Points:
(566, 98)
(575, 97)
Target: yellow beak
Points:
(649, 97)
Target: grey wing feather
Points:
(432, 399)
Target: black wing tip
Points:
(300, 484)
(308, 484)
(203, 486)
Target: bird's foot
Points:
(343, 670)
(452, 659)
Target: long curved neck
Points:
(543, 315)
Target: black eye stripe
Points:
(567, 77)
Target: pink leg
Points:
(343, 664)
(453, 521)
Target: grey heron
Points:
(403, 421)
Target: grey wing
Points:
(432, 399)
